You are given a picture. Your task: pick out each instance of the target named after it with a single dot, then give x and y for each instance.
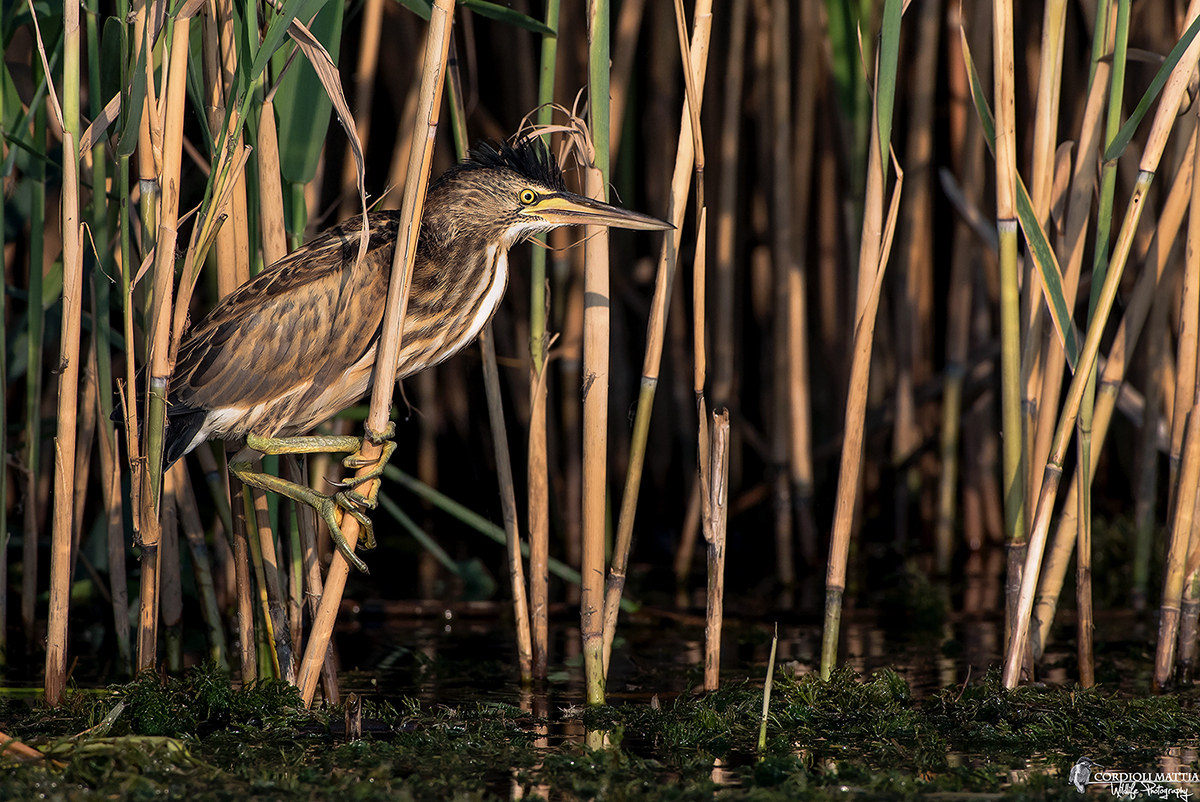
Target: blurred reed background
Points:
(897, 287)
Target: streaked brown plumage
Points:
(287, 351)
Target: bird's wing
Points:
(297, 324)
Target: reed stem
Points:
(61, 552)
(432, 78)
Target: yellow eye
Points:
(528, 196)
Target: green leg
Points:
(331, 507)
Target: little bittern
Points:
(287, 350)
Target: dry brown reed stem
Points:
(656, 326)
(699, 280)
(432, 79)
(1189, 325)
(1045, 130)
(1164, 120)
(272, 231)
(1182, 524)
(214, 82)
(1187, 390)
(69, 358)
(596, 335)
(1045, 137)
(874, 249)
(596, 315)
(159, 362)
(508, 503)
(1150, 283)
(715, 522)
(699, 363)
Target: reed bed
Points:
(942, 279)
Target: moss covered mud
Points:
(197, 738)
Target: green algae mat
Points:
(197, 738)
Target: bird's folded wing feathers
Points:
(281, 331)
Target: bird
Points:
(286, 351)
(1081, 773)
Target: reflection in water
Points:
(462, 657)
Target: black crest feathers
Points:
(529, 157)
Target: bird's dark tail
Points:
(183, 422)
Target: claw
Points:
(332, 512)
(367, 541)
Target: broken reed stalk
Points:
(874, 250)
(596, 316)
(69, 358)
(656, 326)
(1155, 143)
(537, 468)
(420, 157)
(716, 520)
(723, 293)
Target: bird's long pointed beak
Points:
(569, 209)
